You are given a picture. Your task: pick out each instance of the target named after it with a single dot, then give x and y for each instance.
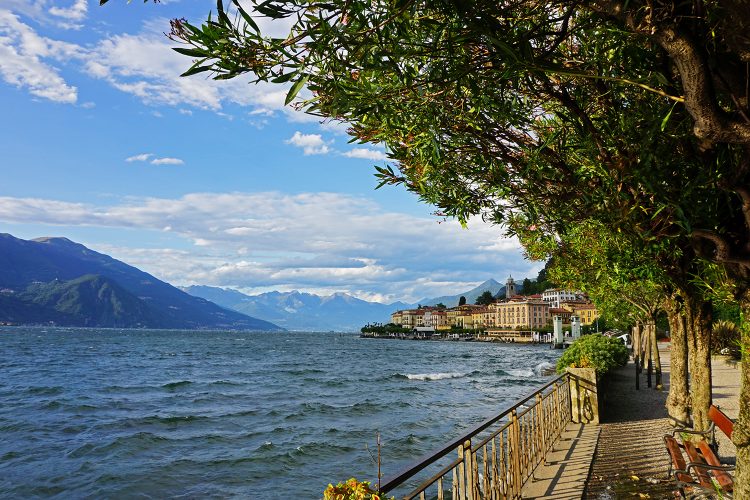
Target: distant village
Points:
(513, 318)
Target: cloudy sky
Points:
(202, 182)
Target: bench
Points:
(703, 468)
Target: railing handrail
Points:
(434, 456)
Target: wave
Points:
(430, 376)
(542, 369)
(176, 385)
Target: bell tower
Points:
(510, 288)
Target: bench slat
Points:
(677, 460)
(724, 479)
(694, 456)
(721, 420)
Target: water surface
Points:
(88, 413)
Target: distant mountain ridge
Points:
(493, 286)
(57, 280)
(302, 311)
(339, 312)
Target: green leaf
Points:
(191, 52)
(666, 118)
(196, 68)
(295, 89)
(284, 78)
(249, 20)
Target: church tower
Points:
(510, 288)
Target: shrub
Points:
(726, 338)
(594, 351)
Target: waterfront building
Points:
(587, 312)
(435, 318)
(521, 312)
(564, 314)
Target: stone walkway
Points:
(624, 457)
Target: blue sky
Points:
(203, 182)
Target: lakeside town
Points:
(512, 318)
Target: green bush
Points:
(726, 338)
(594, 351)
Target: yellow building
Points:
(587, 312)
(521, 312)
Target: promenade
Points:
(624, 456)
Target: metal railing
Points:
(494, 459)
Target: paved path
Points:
(624, 456)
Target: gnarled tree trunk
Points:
(699, 350)
(678, 400)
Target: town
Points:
(514, 318)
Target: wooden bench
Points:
(703, 468)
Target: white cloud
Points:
(311, 144)
(25, 57)
(305, 241)
(76, 12)
(167, 161)
(140, 157)
(366, 153)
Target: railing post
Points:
(541, 426)
(515, 431)
(470, 470)
(461, 474)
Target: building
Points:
(565, 314)
(521, 312)
(556, 296)
(587, 312)
(510, 288)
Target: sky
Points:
(204, 182)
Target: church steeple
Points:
(510, 288)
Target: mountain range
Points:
(302, 311)
(339, 312)
(493, 286)
(58, 281)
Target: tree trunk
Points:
(741, 431)
(655, 355)
(678, 400)
(647, 354)
(699, 342)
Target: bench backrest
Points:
(721, 421)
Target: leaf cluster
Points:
(594, 351)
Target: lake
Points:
(87, 413)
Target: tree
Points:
(485, 299)
(536, 114)
(461, 300)
(527, 287)
(440, 305)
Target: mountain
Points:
(302, 311)
(58, 280)
(471, 295)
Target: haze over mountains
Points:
(57, 281)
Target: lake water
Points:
(90, 413)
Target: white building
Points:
(555, 296)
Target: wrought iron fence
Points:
(494, 459)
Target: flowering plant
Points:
(352, 490)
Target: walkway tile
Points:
(568, 463)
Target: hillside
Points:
(55, 279)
